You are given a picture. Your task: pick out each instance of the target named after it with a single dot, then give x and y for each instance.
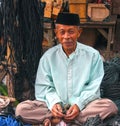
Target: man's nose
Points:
(66, 35)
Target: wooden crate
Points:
(97, 12)
(79, 7)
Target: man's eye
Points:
(62, 32)
(71, 32)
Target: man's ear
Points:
(80, 31)
(55, 30)
(56, 34)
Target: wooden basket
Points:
(97, 12)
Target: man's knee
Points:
(111, 106)
(105, 107)
(22, 108)
(102, 107)
(19, 109)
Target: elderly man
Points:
(68, 74)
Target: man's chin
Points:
(68, 46)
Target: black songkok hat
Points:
(66, 18)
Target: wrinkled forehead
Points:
(63, 26)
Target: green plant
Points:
(4, 92)
(3, 89)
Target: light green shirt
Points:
(72, 80)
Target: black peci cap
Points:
(68, 19)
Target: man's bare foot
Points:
(47, 122)
(55, 121)
(52, 122)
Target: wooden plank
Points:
(10, 87)
(77, 1)
(116, 45)
(115, 6)
(2, 73)
(103, 32)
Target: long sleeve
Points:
(91, 89)
(71, 80)
(44, 87)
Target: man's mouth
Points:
(68, 43)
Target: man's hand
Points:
(57, 111)
(72, 113)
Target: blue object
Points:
(9, 120)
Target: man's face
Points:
(67, 36)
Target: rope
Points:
(23, 34)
